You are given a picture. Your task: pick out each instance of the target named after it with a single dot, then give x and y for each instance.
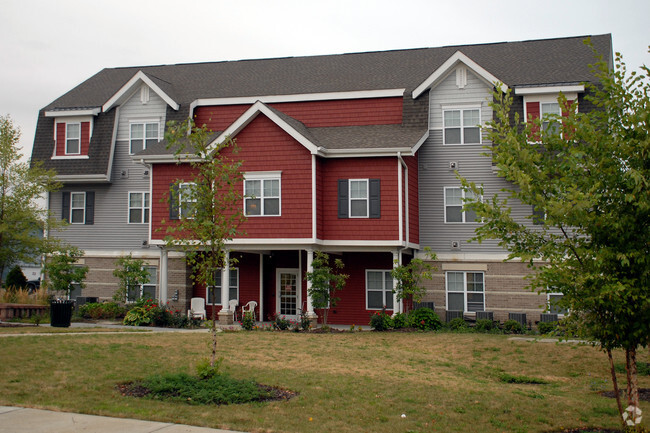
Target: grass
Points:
(349, 382)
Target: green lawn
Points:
(347, 382)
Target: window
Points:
(143, 135)
(554, 304)
(455, 198)
(146, 290)
(465, 291)
(138, 207)
(538, 216)
(73, 139)
(186, 200)
(359, 198)
(550, 108)
(262, 196)
(462, 126)
(379, 290)
(77, 208)
(233, 289)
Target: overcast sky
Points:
(48, 47)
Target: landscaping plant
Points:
(325, 281)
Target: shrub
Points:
(207, 371)
(400, 320)
(546, 327)
(16, 279)
(106, 310)
(143, 313)
(381, 321)
(425, 319)
(458, 324)
(512, 327)
(281, 323)
(484, 325)
(248, 321)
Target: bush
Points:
(425, 319)
(281, 323)
(512, 327)
(248, 321)
(400, 320)
(458, 324)
(485, 325)
(98, 311)
(16, 279)
(547, 327)
(381, 321)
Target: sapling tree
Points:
(325, 282)
(63, 271)
(131, 273)
(588, 175)
(409, 277)
(208, 202)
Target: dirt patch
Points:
(587, 430)
(644, 394)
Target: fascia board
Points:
(420, 142)
(361, 153)
(539, 90)
(82, 178)
(153, 159)
(139, 76)
(73, 113)
(446, 67)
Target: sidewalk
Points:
(23, 420)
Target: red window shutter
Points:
(85, 137)
(566, 131)
(533, 112)
(60, 139)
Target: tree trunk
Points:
(213, 329)
(632, 380)
(615, 383)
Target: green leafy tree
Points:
(22, 220)
(62, 270)
(16, 279)
(589, 175)
(131, 273)
(410, 277)
(209, 203)
(325, 282)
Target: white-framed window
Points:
(233, 289)
(454, 200)
(461, 125)
(139, 207)
(359, 203)
(143, 135)
(546, 109)
(465, 291)
(262, 194)
(553, 306)
(186, 200)
(146, 290)
(73, 139)
(379, 289)
(77, 208)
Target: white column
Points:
(261, 287)
(310, 268)
(397, 305)
(225, 281)
(163, 275)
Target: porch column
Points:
(397, 305)
(225, 315)
(163, 275)
(311, 315)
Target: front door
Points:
(287, 293)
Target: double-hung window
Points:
(465, 291)
(186, 200)
(77, 208)
(550, 108)
(455, 198)
(554, 304)
(359, 198)
(143, 135)
(359, 202)
(233, 287)
(462, 126)
(73, 139)
(146, 290)
(379, 289)
(262, 194)
(139, 207)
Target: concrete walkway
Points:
(23, 420)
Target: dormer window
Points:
(73, 139)
(143, 135)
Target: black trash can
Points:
(61, 313)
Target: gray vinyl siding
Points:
(111, 229)
(435, 173)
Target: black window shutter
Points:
(173, 201)
(90, 207)
(343, 198)
(65, 206)
(375, 198)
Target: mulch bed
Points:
(131, 389)
(644, 394)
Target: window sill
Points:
(70, 157)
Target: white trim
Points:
(464, 291)
(73, 113)
(314, 205)
(65, 143)
(448, 65)
(142, 208)
(77, 208)
(251, 114)
(144, 123)
(420, 142)
(363, 153)
(300, 97)
(463, 212)
(385, 292)
(262, 177)
(71, 156)
(367, 198)
(73, 178)
(126, 89)
(575, 88)
(464, 267)
(548, 303)
(261, 277)
(462, 109)
(113, 141)
(400, 210)
(253, 175)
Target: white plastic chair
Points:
(232, 306)
(197, 308)
(250, 306)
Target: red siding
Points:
(60, 139)
(384, 228)
(533, 112)
(351, 112)
(414, 205)
(85, 138)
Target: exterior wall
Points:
(134, 109)
(351, 112)
(384, 228)
(413, 204)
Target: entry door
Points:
(287, 293)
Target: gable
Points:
(127, 90)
